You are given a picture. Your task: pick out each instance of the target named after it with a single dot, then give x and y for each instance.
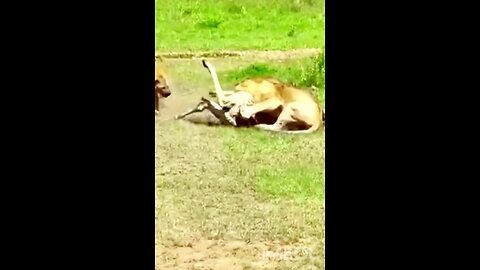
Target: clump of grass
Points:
(211, 23)
(291, 33)
(315, 74)
(186, 12)
(234, 8)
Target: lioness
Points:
(300, 112)
(162, 88)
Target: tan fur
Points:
(299, 113)
(162, 87)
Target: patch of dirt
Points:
(223, 255)
(180, 103)
(274, 54)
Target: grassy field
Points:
(231, 24)
(231, 198)
(222, 193)
(225, 197)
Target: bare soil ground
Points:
(275, 54)
(208, 212)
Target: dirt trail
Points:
(274, 54)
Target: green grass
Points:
(303, 73)
(283, 166)
(296, 181)
(212, 25)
